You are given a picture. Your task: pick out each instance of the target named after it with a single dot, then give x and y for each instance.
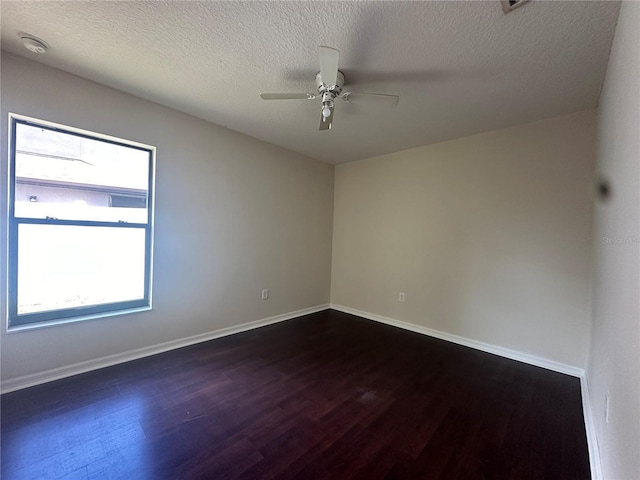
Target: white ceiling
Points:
(460, 68)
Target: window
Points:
(80, 224)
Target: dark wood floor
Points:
(328, 395)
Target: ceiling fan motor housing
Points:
(333, 89)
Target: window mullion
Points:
(80, 223)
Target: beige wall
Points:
(614, 366)
(233, 216)
(488, 236)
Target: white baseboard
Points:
(592, 440)
(467, 342)
(30, 380)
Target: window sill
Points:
(64, 321)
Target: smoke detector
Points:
(33, 43)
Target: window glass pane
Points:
(62, 266)
(70, 177)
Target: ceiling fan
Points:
(330, 81)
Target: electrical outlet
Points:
(401, 297)
(265, 294)
(606, 407)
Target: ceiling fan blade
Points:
(329, 65)
(373, 98)
(325, 123)
(287, 96)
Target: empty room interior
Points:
(341, 240)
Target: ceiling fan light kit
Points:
(329, 82)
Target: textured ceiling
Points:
(460, 68)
